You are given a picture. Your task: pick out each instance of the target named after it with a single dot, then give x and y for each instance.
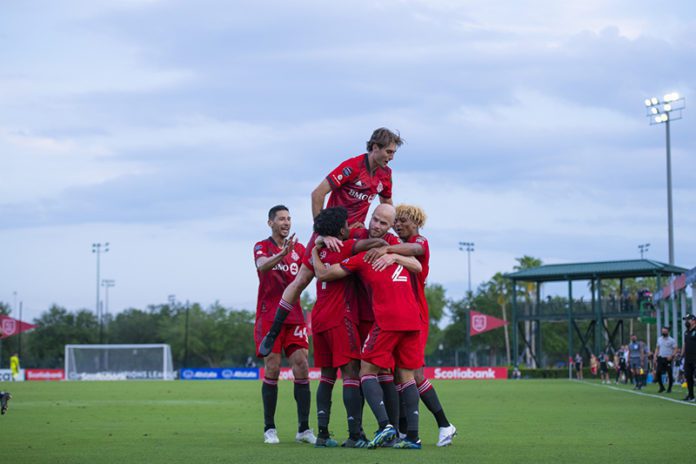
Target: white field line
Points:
(635, 392)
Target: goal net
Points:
(118, 362)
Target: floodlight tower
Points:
(643, 247)
(98, 249)
(468, 247)
(662, 112)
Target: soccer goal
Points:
(118, 362)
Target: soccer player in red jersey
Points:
(394, 340)
(278, 260)
(409, 220)
(335, 332)
(353, 185)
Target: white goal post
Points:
(119, 362)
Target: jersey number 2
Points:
(397, 277)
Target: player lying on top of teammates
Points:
(353, 184)
(393, 341)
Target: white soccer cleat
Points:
(306, 437)
(446, 435)
(270, 436)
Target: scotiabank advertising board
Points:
(466, 373)
(44, 374)
(433, 373)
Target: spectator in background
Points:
(604, 367)
(621, 360)
(665, 350)
(593, 365)
(578, 366)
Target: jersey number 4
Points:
(300, 332)
(397, 277)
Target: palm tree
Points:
(523, 263)
(501, 286)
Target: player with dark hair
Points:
(335, 331)
(278, 260)
(394, 340)
(353, 184)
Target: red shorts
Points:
(364, 329)
(337, 346)
(291, 338)
(390, 349)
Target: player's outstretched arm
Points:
(318, 196)
(327, 274)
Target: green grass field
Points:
(209, 422)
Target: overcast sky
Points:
(169, 128)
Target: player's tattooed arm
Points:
(326, 274)
(369, 244)
(266, 263)
(405, 249)
(409, 262)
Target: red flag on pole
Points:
(480, 323)
(10, 326)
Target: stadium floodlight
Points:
(119, 362)
(663, 112)
(98, 249)
(468, 247)
(643, 247)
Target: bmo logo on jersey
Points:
(360, 196)
(292, 268)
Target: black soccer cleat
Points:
(266, 345)
(4, 398)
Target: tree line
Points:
(216, 336)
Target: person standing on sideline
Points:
(578, 366)
(689, 354)
(604, 367)
(637, 355)
(665, 350)
(14, 366)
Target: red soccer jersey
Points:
(273, 282)
(363, 295)
(354, 188)
(420, 278)
(336, 299)
(393, 300)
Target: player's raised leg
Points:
(290, 298)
